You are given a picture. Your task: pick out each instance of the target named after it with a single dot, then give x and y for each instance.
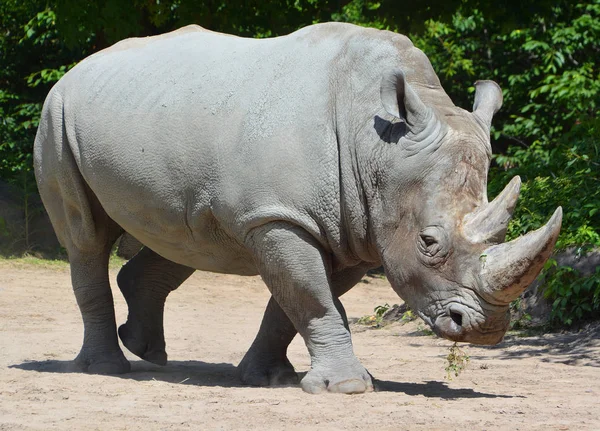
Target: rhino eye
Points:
(433, 244)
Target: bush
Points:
(574, 298)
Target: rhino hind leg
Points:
(146, 281)
(266, 362)
(128, 246)
(88, 233)
(100, 353)
(284, 254)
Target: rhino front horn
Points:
(507, 269)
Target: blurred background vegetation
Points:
(544, 54)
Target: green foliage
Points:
(575, 298)
(3, 229)
(29, 40)
(362, 12)
(566, 174)
(523, 320)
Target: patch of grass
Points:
(114, 263)
(28, 260)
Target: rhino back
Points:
(191, 141)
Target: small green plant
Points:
(457, 361)
(523, 322)
(380, 310)
(421, 327)
(408, 316)
(374, 320)
(483, 259)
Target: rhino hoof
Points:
(272, 372)
(140, 347)
(113, 363)
(352, 381)
(273, 377)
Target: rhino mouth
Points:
(455, 324)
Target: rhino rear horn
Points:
(489, 224)
(401, 101)
(507, 269)
(488, 100)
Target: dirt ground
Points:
(548, 382)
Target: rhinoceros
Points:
(308, 159)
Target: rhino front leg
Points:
(266, 362)
(146, 281)
(298, 274)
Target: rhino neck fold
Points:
(354, 182)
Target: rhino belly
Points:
(207, 247)
(166, 208)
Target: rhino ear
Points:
(400, 100)
(488, 100)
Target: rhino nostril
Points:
(456, 317)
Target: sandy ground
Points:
(549, 382)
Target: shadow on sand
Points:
(579, 348)
(225, 375)
(433, 389)
(179, 372)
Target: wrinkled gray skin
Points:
(307, 159)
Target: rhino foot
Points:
(106, 363)
(352, 379)
(147, 346)
(263, 370)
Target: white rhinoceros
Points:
(307, 159)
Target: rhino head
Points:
(440, 240)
